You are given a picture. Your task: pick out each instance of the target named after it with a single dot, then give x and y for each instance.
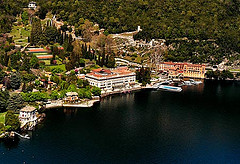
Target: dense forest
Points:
(194, 19)
(166, 19)
(9, 9)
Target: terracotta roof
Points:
(104, 73)
(45, 57)
(37, 50)
(188, 64)
(102, 70)
(28, 109)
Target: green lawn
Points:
(62, 66)
(2, 117)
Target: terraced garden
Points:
(20, 34)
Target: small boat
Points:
(170, 88)
(187, 83)
(195, 82)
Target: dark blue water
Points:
(199, 125)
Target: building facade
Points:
(107, 79)
(28, 117)
(71, 97)
(182, 69)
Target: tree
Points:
(82, 83)
(34, 96)
(54, 95)
(15, 60)
(34, 62)
(15, 103)
(55, 79)
(51, 33)
(87, 30)
(69, 66)
(87, 94)
(143, 76)
(27, 77)
(25, 17)
(15, 80)
(26, 64)
(4, 96)
(36, 33)
(81, 62)
(111, 62)
(72, 88)
(12, 120)
(96, 91)
(2, 75)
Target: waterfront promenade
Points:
(60, 103)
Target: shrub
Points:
(12, 121)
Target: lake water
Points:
(199, 125)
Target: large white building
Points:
(28, 117)
(107, 79)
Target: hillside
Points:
(194, 19)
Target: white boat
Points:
(170, 88)
(187, 83)
(195, 82)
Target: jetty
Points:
(25, 137)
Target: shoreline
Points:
(88, 103)
(60, 104)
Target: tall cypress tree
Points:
(36, 33)
(111, 62)
(103, 58)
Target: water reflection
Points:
(10, 143)
(144, 127)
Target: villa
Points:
(112, 79)
(182, 69)
(32, 5)
(72, 97)
(28, 117)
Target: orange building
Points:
(182, 69)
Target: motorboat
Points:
(170, 88)
(195, 82)
(188, 83)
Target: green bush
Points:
(35, 96)
(96, 91)
(12, 121)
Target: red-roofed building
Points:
(111, 79)
(182, 69)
